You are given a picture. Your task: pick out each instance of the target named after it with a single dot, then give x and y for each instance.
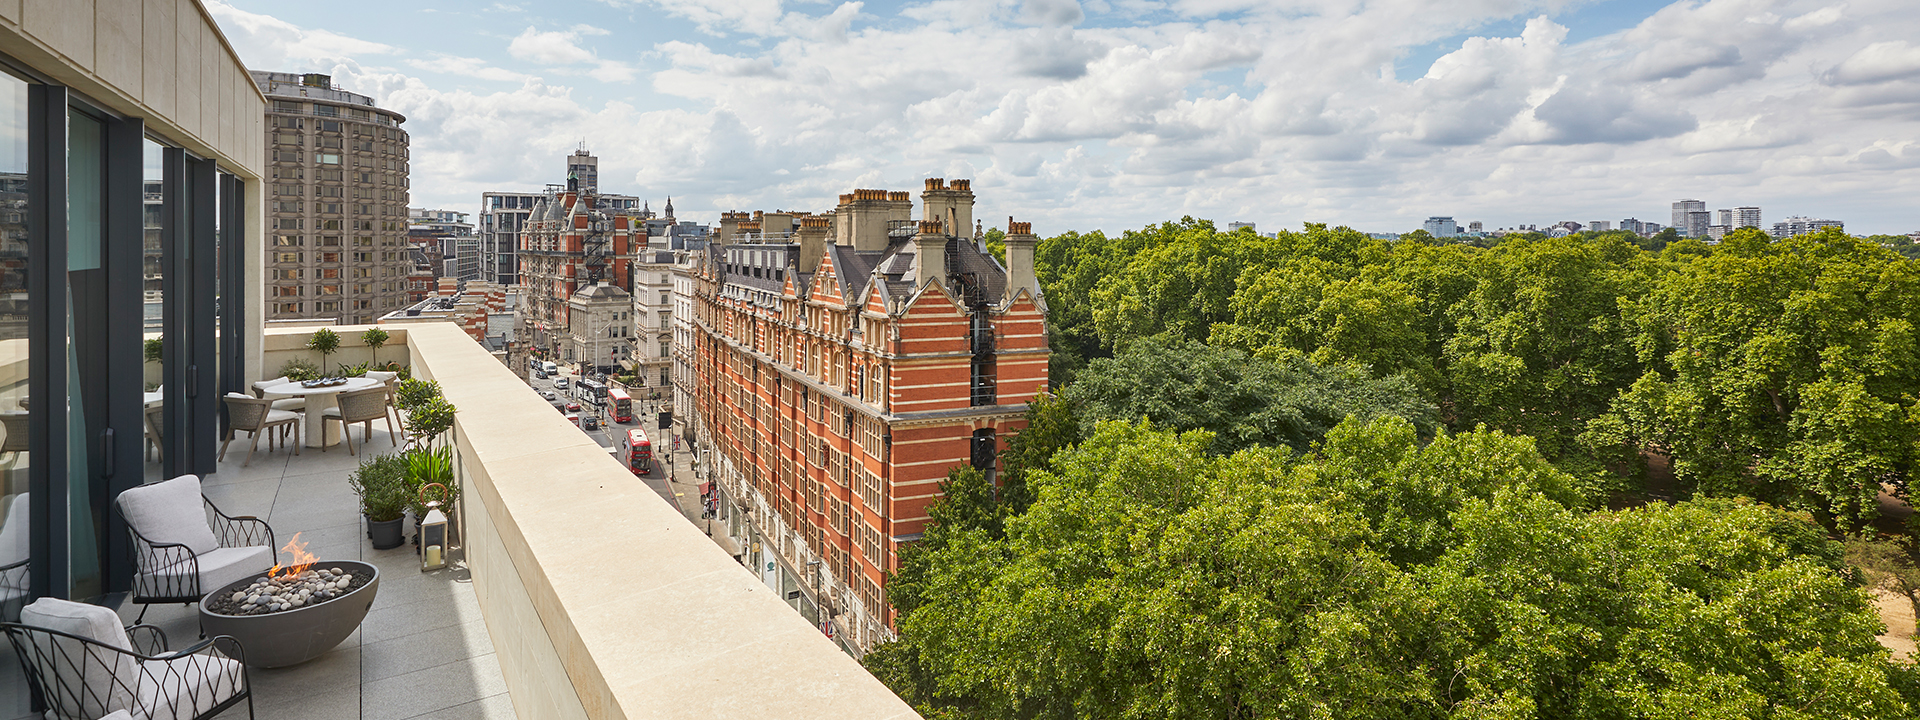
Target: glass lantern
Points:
(433, 532)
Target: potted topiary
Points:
(374, 337)
(381, 483)
(324, 341)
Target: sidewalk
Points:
(686, 490)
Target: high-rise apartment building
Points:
(842, 368)
(585, 168)
(1599, 225)
(450, 231)
(503, 217)
(336, 210)
(1438, 226)
(1691, 218)
(1800, 225)
(1746, 216)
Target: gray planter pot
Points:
(387, 534)
(298, 635)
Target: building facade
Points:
(1440, 227)
(653, 310)
(503, 216)
(1747, 216)
(1799, 225)
(573, 240)
(132, 184)
(1691, 218)
(841, 371)
(450, 231)
(337, 201)
(599, 328)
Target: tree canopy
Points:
(1378, 577)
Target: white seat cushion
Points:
(382, 375)
(274, 416)
(217, 568)
(290, 404)
(186, 687)
(118, 715)
(13, 531)
(110, 677)
(170, 512)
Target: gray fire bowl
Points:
(298, 635)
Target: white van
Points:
(550, 368)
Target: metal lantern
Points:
(433, 532)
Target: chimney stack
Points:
(1020, 244)
(813, 241)
(950, 204)
(864, 214)
(930, 254)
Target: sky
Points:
(1116, 114)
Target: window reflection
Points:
(152, 275)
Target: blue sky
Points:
(1111, 114)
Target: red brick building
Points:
(843, 364)
(572, 239)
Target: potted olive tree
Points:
(381, 483)
(324, 341)
(374, 338)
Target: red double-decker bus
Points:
(638, 452)
(621, 405)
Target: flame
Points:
(301, 560)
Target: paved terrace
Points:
(423, 651)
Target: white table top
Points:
(294, 388)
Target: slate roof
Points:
(893, 266)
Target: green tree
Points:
(374, 338)
(1782, 369)
(1540, 347)
(1243, 401)
(1379, 578)
(324, 341)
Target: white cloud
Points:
(550, 48)
(1113, 113)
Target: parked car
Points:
(548, 394)
(573, 406)
(591, 422)
(539, 375)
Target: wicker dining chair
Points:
(255, 416)
(392, 381)
(153, 421)
(360, 406)
(85, 665)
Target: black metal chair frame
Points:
(62, 692)
(184, 587)
(14, 576)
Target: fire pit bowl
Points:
(293, 636)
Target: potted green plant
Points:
(430, 467)
(374, 338)
(326, 342)
(299, 369)
(381, 483)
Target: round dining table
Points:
(319, 399)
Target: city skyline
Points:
(1109, 116)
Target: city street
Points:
(673, 482)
